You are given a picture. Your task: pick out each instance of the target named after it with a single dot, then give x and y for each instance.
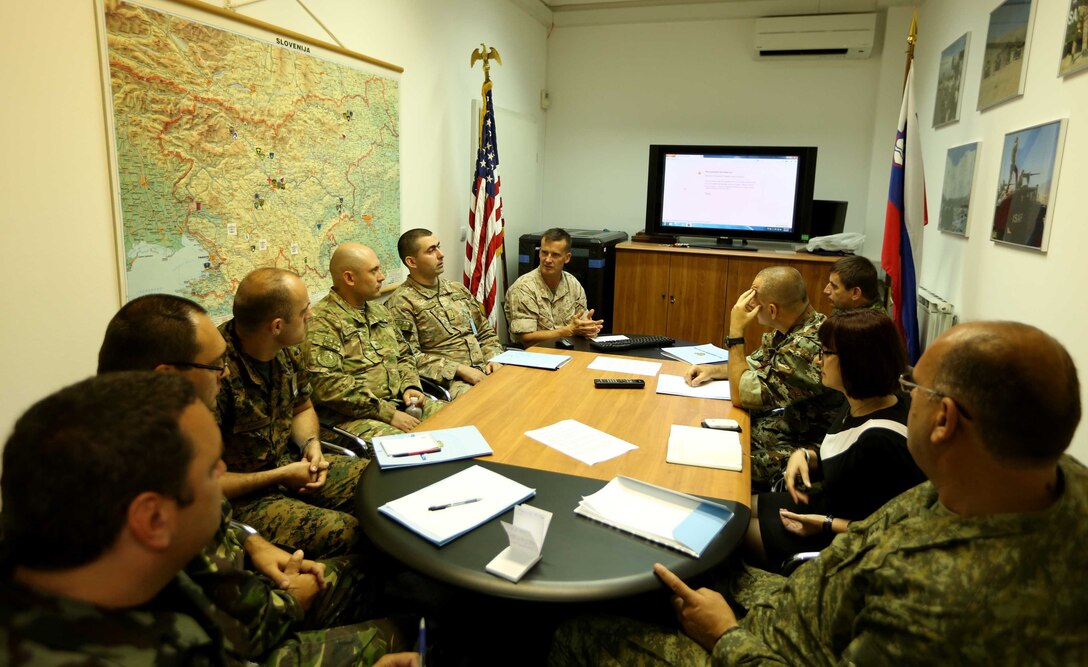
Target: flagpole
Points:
(912, 39)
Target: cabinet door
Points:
(697, 287)
(642, 280)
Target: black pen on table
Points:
(421, 644)
(434, 508)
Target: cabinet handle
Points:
(672, 298)
(662, 296)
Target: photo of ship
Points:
(1028, 168)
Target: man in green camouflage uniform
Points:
(780, 382)
(441, 321)
(264, 410)
(548, 303)
(363, 373)
(170, 334)
(854, 284)
(981, 565)
(95, 583)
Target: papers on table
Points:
(450, 508)
(420, 448)
(676, 385)
(704, 447)
(526, 537)
(619, 365)
(582, 442)
(668, 517)
(531, 359)
(698, 354)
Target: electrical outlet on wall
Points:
(545, 100)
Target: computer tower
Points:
(828, 217)
(592, 262)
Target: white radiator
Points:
(935, 316)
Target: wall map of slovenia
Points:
(235, 153)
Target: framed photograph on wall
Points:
(1027, 185)
(1007, 42)
(959, 178)
(1075, 46)
(946, 109)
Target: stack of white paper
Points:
(621, 365)
(677, 520)
(582, 442)
(678, 386)
(452, 507)
(549, 362)
(708, 448)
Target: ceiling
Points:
(590, 12)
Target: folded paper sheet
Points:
(526, 537)
(580, 441)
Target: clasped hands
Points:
(585, 325)
(309, 472)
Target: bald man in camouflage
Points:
(780, 382)
(982, 565)
(363, 373)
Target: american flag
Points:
(904, 220)
(483, 251)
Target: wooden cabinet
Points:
(687, 293)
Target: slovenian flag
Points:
(906, 216)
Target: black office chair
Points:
(797, 560)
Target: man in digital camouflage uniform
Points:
(292, 496)
(780, 382)
(982, 565)
(854, 284)
(441, 321)
(95, 583)
(548, 303)
(363, 373)
(169, 334)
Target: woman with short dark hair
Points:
(863, 461)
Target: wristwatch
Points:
(829, 522)
(730, 341)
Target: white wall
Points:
(56, 220)
(983, 279)
(615, 89)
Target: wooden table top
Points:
(514, 400)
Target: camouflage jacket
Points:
(876, 304)
(360, 364)
(172, 629)
(532, 306)
(254, 416)
(917, 584)
(444, 327)
(783, 373)
(253, 615)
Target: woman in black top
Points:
(863, 461)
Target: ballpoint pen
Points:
(421, 644)
(433, 508)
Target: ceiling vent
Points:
(848, 36)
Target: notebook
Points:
(704, 447)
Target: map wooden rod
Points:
(263, 25)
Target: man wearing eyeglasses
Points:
(981, 565)
(440, 319)
(170, 334)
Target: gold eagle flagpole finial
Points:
(486, 55)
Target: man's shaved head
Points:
(262, 296)
(354, 257)
(1019, 385)
(782, 286)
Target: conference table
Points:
(582, 560)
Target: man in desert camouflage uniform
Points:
(94, 583)
(981, 565)
(853, 284)
(548, 303)
(169, 334)
(441, 321)
(264, 410)
(363, 373)
(780, 383)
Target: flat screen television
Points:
(731, 192)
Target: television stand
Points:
(732, 243)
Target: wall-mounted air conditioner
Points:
(817, 36)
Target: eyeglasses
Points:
(907, 383)
(220, 368)
(827, 352)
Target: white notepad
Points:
(704, 447)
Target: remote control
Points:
(602, 383)
(722, 424)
